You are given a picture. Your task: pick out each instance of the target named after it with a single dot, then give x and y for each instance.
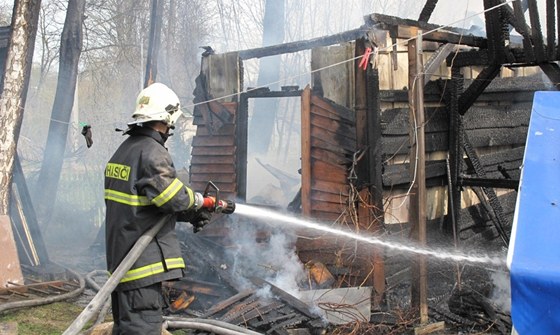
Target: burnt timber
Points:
(479, 121)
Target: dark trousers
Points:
(138, 311)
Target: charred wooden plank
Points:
(213, 151)
(536, 32)
(273, 319)
(484, 117)
(212, 160)
(329, 172)
(327, 207)
(332, 109)
(396, 121)
(212, 168)
(441, 34)
(438, 141)
(278, 328)
(494, 23)
(327, 137)
(399, 174)
(516, 57)
(211, 141)
(307, 144)
(218, 179)
(489, 182)
(469, 96)
(332, 157)
(427, 11)
(29, 213)
(213, 115)
(285, 48)
(324, 145)
(329, 197)
(558, 29)
(503, 165)
(225, 188)
(551, 29)
(329, 187)
(228, 302)
(338, 129)
(524, 30)
(227, 129)
(258, 311)
(517, 89)
(490, 193)
(489, 137)
(327, 217)
(552, 71)
(241, 308)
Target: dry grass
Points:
(51, 319)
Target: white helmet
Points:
(157, 102)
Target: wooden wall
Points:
(496, 124)
(214, 147)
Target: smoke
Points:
(272, 258)
(501, 295)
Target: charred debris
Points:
(474, 95)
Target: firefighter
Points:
(141, 187)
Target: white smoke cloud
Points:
(501, 295)
(274, 260)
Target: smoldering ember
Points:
(365, 167)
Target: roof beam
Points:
(536, 33)
(291, 47)
(427, 11)
(406, 29)
(523, 29)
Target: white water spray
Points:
(257, 212)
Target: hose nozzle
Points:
(220, 206)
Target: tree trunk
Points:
(70, 50)
(16, 81)
(264, 115)
(154, 42)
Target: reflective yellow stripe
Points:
(168, 193)
(153, 269)
(127, 199)
(191, 196)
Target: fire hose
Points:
(214, 326)
(211, 203)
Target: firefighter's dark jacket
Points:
(141, 186)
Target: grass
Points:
(51, 319)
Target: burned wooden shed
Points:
(358, 132)
(357, 136)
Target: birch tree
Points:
(16, 81)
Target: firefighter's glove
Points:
(200, 219)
